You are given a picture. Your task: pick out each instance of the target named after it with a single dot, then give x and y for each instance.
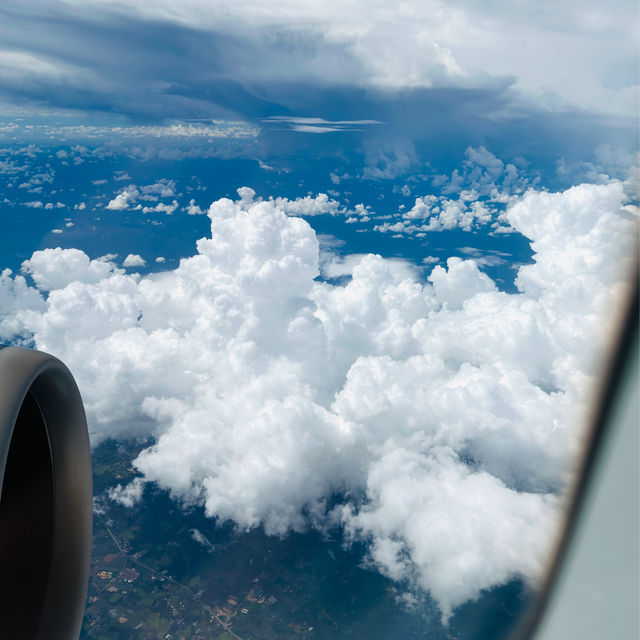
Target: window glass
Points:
(336, 282)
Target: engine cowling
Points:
(46, 498)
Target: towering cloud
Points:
(441, 411)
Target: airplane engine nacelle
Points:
(46, 498)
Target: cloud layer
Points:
(116, 56)
(440, 412)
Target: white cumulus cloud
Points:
(193, 209)
(134, 260)
(56, 268)
(124, 199)
(442, 411)
(162, 207)
(129, 495)
(310, 206)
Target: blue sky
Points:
(319, 249)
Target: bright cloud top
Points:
(440, 411)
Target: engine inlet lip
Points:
(28, 376)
